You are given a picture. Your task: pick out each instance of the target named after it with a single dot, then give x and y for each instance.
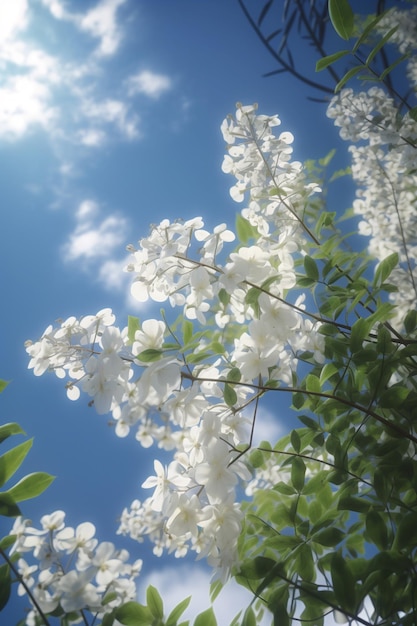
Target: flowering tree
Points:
(324, 521)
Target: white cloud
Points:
(177, 583)
(111, 111)
(97, 245)
(60, 94)
(13, 18)
(101, 23)
(112, 276)
(93, 237)
(24, 103)
(150, 84)
(91, 137)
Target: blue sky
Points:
(110, 116)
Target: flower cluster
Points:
(73, 571)
(189, 392)
(384, 155)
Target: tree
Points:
(324, 520)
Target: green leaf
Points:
(380, 44)
(369, 27)
(391, 67)
(360, 330)
(410, 321)
(207, 618)
(393, 397)
(343, 583)
(229, 394)
(234, 375)
(329, 537)
(177, 611)
(133, 325)
(413, 113)
(244, 230)
(5, 585)
(330, 59)
(154, 602)
(7, 541)
(3, 385)
(134, 614)
(327, 372)
(8, 506)
(341, 16)
(149, 355)
(11, 460)
(384, 268)
(376, 529)
(30, 486)
(350, 74)
(109, 597)
(10, 429)
(406, 532)
(295, 441)
(215, 589)
(187, 331)
(311, 269)
(249, 618)
(313, 383)
(256, 458)
(298, 470)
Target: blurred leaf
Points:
(176, 612)
(3, 385)
(341, 16)
(329, 537)
(30, 486)
(380, 44)
(154, 602)
(229, 394)
(132, 326)
(187, 331)
(295, 441)
(11, 460)
(134, 614)
(8, 506)
(10, 429)
(392, 67)
(310, 267)
(249, 618)
(349, 74)
(234, 375)
(298, 470)
(244, 229)
(343, 583)
(367, 30)
(376, 529)
(406, 535)
(330, 59)
(5, 585)
(384, 268)
(149, 355)
(264, 11)
(215, 589)
(207, 618)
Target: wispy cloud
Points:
(148, 83)
(100, 22)
(94, 237)
(59, 94)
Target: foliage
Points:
(322, 522)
